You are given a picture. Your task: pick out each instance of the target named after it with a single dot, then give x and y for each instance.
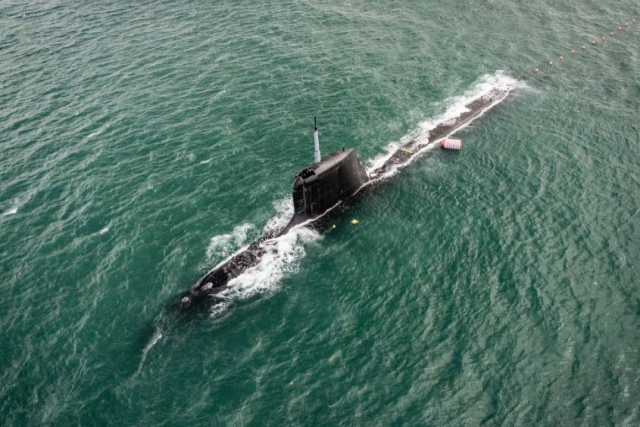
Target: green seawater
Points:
(143, 142)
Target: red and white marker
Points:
(451, 144)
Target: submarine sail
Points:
(321, 186)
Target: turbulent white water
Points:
(454, 107)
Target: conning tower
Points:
(326, 182)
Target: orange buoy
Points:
(451, 144)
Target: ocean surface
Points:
(143, 142)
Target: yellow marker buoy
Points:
(354, 221)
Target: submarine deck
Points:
(217, 279)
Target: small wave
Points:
(102, 231)
(96, 133)
(155, 338)
(157, 335)
(18, 202)
(12, 211)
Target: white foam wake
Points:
(284, 212)
(226, 244)
(280, 258)
(454, 108)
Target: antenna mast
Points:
(316, 141)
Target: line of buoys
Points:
(583, 47)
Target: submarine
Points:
(324, 189)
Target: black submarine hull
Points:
(321, 192)
(316, 190)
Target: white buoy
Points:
(451, 144)
(316, 142)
